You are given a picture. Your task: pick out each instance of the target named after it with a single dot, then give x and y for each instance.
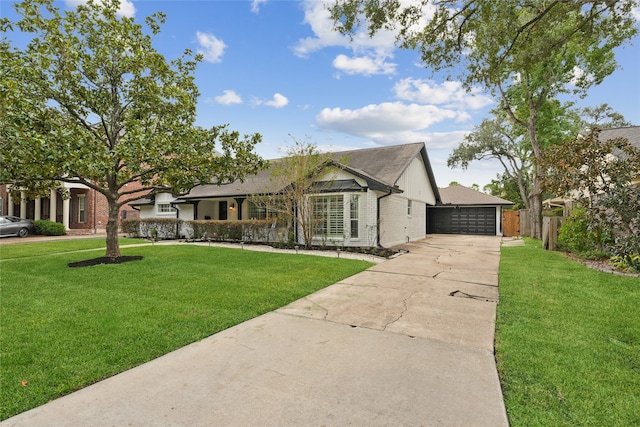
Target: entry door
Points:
(222, 210)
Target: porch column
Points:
(38, 209)
(240, 202)
(52, 205)
(23, 205)
(65, 213)
(10, 206)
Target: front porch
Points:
(68, 205)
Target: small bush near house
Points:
(45, 227)
(160, 228)
(131, 227)
(579, 237)
(247, 230)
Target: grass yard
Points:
(25, 250)
(65, 328)
(567, 341)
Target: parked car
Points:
(14, 226)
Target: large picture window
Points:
(328, 216)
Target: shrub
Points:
(627, 262)
(577, 235)
(131, 227)
(160, 228)
(49, 228)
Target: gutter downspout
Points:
(378, 217)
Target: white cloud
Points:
(580, 77)
(363, 65)
(212, 48)
(450, 94)
(386, 122)
(228, 97)
(278, 101)
(370, 54)
(126, 7)
(255, 5)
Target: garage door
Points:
(462, 221)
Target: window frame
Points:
(164, 208)
(82, 208)
(327, 215)
(354, 216)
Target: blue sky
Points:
(276, 67)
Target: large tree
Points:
(500, 139)
(523, 52)
(90, 101)
(601, 176)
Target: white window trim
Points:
(82, 207)
(327, 226)
(160, 208)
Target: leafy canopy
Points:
(603, 177)
(89, 100)
(523, 52)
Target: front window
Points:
(328, 216)
(164, 208)
(353, 210)
(409, 207)
(82, 210)
(257, 212)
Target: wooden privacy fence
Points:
(550, 227)
(511, 223)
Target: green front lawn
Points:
(567, 342)
(25, 250)
(65, 328)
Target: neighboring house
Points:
(82, 210)
(378, 197)
(466, 211)
(631, 134)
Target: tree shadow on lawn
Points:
(104, 260)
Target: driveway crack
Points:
(404, 310)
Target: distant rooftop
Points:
(461, 195)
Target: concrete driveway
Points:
(408, 342)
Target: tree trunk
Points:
(113, 247)
(535, 211)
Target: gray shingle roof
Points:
(632, 134)
(461, 195)
(381, 167)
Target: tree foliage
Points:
(499, 139)
(602, 117)
(297, 176)
(602, 176)
(524, 53)
(506, 188)
(90, 101)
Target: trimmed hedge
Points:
(46, 227)
(245, 230)
(154, 228)
(131, 227)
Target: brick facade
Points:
(88, 209)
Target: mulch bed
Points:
(104, 260)
(603, 265)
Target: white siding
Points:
(414, 182)
(396, 226)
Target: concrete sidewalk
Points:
(407, 342)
